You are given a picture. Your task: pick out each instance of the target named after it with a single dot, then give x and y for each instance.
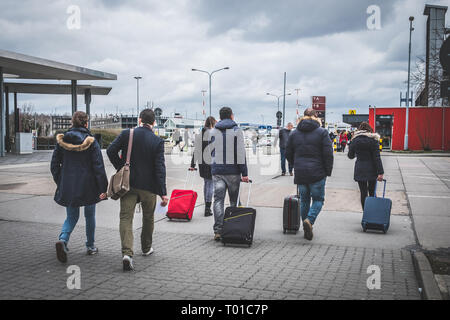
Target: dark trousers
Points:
(367, 187)
(283, 161)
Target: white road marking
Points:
(434, 197)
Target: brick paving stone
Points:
(195, 267)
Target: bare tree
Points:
(435, 76)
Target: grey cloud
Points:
(287, 20)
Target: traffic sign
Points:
(319, 103)
(352, 112)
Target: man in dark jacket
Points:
(228, 164)
(147, 180)
(283, 139)
(310, 149)
(79, 173)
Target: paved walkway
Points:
(188, 266)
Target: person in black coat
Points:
(202, 141)
(365, 147)
(283, 139)
(310, 150)
(79, 173)
(147, 180)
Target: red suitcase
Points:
(182, 203)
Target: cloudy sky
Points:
(325, 47)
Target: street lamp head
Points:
(194, 69)
(226, 68)
(411, 18)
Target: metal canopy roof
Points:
(17, 65)
(39, 88)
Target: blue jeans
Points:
(283, 161)
(208, 189)
(71, 221)
(222, 183)
(316, 192)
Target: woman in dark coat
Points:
(202, 141)
(368, 167)
(79, 173)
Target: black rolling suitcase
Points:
(291, 214)
(239, 223)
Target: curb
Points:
(430, 289)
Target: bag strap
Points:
(130, 147)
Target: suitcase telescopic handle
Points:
(250, 182)
(187, 178)
(384, 189)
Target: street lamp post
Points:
(278, 98)
(210, 78)
(411, 19)
(137, 99)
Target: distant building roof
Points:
(183, 123)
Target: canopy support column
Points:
(16, 115)
(87, 100)
(2, 116)
(7, 135)
(74, 96)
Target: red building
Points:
(429, 127)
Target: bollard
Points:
(335, 145)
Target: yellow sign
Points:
(352, 112)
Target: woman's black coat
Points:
(204, 166)
(77, 168)
(368, 164)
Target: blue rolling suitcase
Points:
(377, 213)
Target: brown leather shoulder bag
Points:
(119, 183)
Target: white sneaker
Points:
(127, 263)
(145, 254)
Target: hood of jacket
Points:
(308, 124)
(360, 133)
(76, 139)
(225, 124)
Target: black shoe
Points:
(208, 212)
(283, 174)
(91, 251)
(61, 251)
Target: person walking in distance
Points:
(229, 164)
(283, 139)
(147, 181)
(203, 159)
(176, 138)
(309, 148)
(365, 146)
(343, 140)
(79, 173)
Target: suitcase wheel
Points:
(364, 226)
